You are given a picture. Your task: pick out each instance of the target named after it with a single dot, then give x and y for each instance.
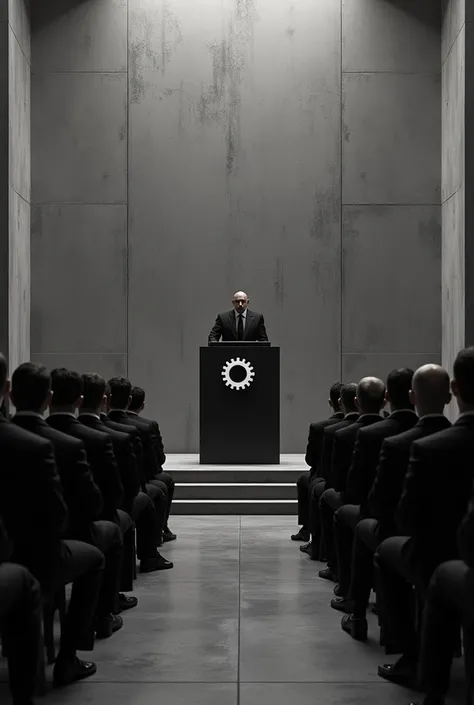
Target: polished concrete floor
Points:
(242, 619)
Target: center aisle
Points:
(242, 619)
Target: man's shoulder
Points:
(378, 429)
(58, 438)
(151, 422)
(89, 435)
(122, 427)
(348, 433)
(338, 425)
(12, 435)
(453, 439)
(404, 440)
(319, 426)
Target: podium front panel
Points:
(239, 405)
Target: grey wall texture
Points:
(185, 149)
(15, 181)
(457, 179)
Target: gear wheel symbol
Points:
(237, 362)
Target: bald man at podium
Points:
(239, 323)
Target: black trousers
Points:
(149, 528)
(366, 540)
(159, 495)
(449, 603)
(302, 494)
(82, 565)
(329, 503)
(395, 576)
(108, 539)
(160, 479)
(20, 624)
(316, 488)
(127, 529)
(346, 519)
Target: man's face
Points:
(240, 301)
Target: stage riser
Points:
(236, 475)
(228, 491)
(238, 507)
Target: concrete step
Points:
(236, 475)
(235, 490)
(235, 506)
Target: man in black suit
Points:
(20, 623)
(67, 388)
(370, 398)
(429, 395)
(449, 603)
(35, 517)
(118, 401)
(31, 394)
(434, 500)
(137, 505)
(239, 323)
(362, 472)
(312, 458)
(320, 482)
(152, 431)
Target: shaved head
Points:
(240, 301)
(240, 295)
(430, 389)
(370, 395)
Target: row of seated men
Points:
(386, 505)
(78, 490)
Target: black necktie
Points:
(240, 328)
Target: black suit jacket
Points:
(225, 326)
(328, 445)
(367, 452)
(122, 444)
(150, 461)
(83, 497)
(387, 488)
(31, 501)
(437, 490)
(466, 535)
(119, 420)
(315, 441)
(100, 456)
(157, 439)
(343, 450)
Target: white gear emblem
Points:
(249, 373)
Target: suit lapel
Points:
(248, 323)
(233, 323)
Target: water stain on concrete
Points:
(171, 35)
(325, 215)
(137, 83)
(290, 31)
(279, 283)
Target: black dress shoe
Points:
(342, 604)
(108, 626)
(337, 591)
(67, 671)
(168, 535)
(302, 535)
(306, 548)
(355, 626)
(158, 563)
(328, 574)
(126, 602)
(403, 672)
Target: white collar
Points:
(433, 416)
(244, 313)
(30, 413)
(465, 413)
(63, 413)
(132, 412)
(89, 413)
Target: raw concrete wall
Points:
(183, 150)
(457, 179)
(15, 181)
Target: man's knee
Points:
(126, 523)
(302, 481)
(389, 551)
(17, 586)
(367, 532)
(348, 514)
(331, 499)
(108, 534)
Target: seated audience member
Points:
(35, 517)
(313, 455)
(149, 507)
(429, 394)
(362, 472)
(449, 604)
(31, 394)
(434, 500)
(122, 445)
(20, 623)
(323, 480)
(119, 401)
(369, 399)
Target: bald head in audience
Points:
(370, 395)
(430, 390)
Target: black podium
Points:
(240, 404)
